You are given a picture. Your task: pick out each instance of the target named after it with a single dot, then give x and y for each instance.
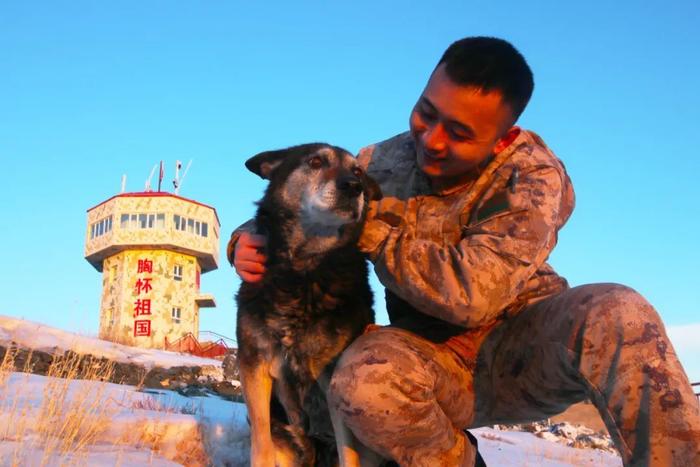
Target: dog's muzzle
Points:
(350, 186)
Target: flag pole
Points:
(160, 176)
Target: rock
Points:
(184, 378)
(577, 436)
(230, 366)
(194, 391)
(229, 390)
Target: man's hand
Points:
(383, 216)
(388, 210)
(249, 257)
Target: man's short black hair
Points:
(490, 64)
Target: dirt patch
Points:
(584, 414)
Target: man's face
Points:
(456, 128)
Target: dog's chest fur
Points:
(304, 320)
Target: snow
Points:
(225, 430)
(518, 448)
(41, 337)
(158, 414)
(99, 455)
(165, 428)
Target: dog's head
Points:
(321, 184)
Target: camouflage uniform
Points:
(499, 337)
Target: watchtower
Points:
(151, 248)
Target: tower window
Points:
(176, 313)
(177, 272)
(179, 222)
(189, 225)
(101, 227)
(139, 221)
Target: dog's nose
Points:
(350, 186)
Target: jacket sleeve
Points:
(469, 283)
(248, 226)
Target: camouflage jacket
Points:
(472, 255)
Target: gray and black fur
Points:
(314, 299)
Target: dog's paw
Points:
(262, 459)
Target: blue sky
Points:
(92, 90)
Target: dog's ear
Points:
(372, 188)
(265, 163)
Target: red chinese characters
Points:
(142, 306)
(143, 285)
(142, 327)
(145, 265)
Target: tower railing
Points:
(189, 344)
(214, 336)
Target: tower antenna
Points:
(148, 181)
(176, 181)
(177, 188)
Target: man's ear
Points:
(265, 163)
(372, 188)
(505, 140)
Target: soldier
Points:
(483, 330)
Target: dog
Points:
(312, 302)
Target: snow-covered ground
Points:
(223, 428)
(176, 425)
(131, 427)
(518, 448)
(38, 336)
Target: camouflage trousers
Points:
(408, 398)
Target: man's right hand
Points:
(249, 257)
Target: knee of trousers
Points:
(617, 306)
(611, 315)
(380, 375)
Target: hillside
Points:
(71, 414)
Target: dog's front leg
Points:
(256, 383)
(347, 455)
(351, 452)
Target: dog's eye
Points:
(315, 162)
(357, 172)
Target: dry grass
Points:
(66, 419)
(156, 405)
(69, 424)
(495, 437)
(64, 422)
(185, 447)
